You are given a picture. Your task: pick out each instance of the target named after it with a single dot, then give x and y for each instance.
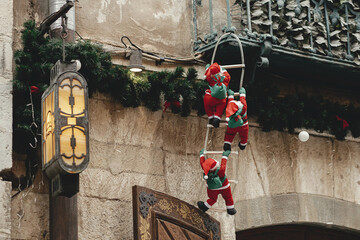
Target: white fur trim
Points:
(225, 157)
(216, 166)
(243, 95)
(243, 144)
(239, 104)
(211, 117)
(224, 187)
(227, 142)
(202, 155)
(230, 207)
(207, 205)
(217, 117)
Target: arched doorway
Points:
(296, 232)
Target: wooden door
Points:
(162, 217)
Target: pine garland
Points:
(299, 111)
(34, 61)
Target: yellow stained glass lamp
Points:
(65, 128)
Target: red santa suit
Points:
(212, 167)
(215, 104)
(236, 116)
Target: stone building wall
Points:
(280, 180)
(6, 58)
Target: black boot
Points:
(211, 120)
(227, 146)
(241, 146)
(216, 122)
(231, 211)
(202, 206)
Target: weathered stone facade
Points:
(279, 179)
(6, 65)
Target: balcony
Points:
(301, 40)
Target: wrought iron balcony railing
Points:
(328, 28)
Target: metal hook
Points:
(129, 41)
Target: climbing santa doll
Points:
(217, 182)
(215, 97)
(236, 117)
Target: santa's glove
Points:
(230, 93)
(226, 153)
(242, 91)
(202, 152)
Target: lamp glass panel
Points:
(48, 128)
(79, 95)
(71, 90)
(73, 145)
(64, 94)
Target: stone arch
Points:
(299, 209)
(297, 232)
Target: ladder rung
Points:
(219, 152)
(222, 124)
(233, 66)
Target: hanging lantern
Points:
(65, 128)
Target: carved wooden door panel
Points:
(158, 216)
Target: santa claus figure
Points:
(236, 117)
(215, 97)
(217, 182)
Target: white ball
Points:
(78, 65)
(303, 136)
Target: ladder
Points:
(239, 65)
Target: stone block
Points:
(346, 214)
(243, 169)
(5, 210)
(105, 219)
(347, 170)
(270, 152)
(6, 58)
(30, 216)
(119, 158)
(6, 18)
(195, 134)
(267, 211)
(100, 183)
(175, 133)
(316, 208)
(313, 166)
(119, 125)
(139, 20)
(139, 126)
(296, 208)
(184, 177)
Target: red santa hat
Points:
(209, 165)
(232, 107)
(212, 69)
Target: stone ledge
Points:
(297, 208)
